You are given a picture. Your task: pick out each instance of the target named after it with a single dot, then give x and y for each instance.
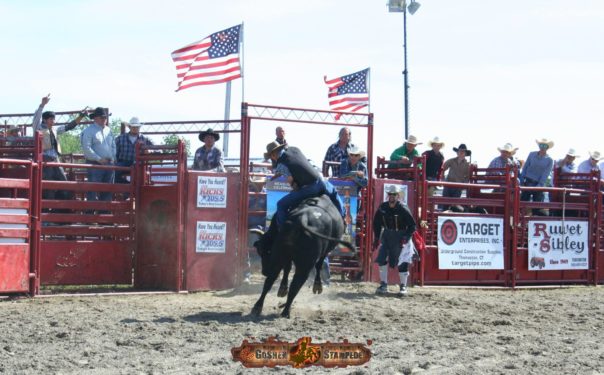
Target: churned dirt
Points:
(431, 331)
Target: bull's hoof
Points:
(256, 310)
(285, 314)
(317, 288)
(282, 292)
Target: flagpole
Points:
(242, 64)
(227, 116)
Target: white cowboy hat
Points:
(595, 155)
(412, 140)
(355, 150)
(436, 141)
(508, 148)
(393, 189)
(572, 152)
(546, 141)
(134, 121)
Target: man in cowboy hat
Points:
(405, 153)
(125, 144)
(338, 151)
(591, 164)
(98, 144)
(208, 157)
(353, 168)
(393, 226)
(434, 161)
(459, 170)
(505, 159)
(305, 179)
(536, 170)
(567, 163)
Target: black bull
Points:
(311, 231)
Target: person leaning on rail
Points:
(567, 163)
(44, 122)
(125, 145)
(434, 162)
(208, 157)
(591, 164)
(535, 172)
(338, 151)
(459, 171)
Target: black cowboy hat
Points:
(48, 114)
(464, 148)
(99, 112)
(211, 132)
(273, 146)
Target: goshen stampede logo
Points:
(300, 354)
(448, 232)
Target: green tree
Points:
(172, 140)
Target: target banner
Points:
(470, 243)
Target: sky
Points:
(481, 72)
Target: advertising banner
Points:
(558, 245)
(211, 191)
(211, 237)
(470, 243)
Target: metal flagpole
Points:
(242, 64)
(227, 116)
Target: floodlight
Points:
(413, 7)
(396, 6)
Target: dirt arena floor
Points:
(431, 331)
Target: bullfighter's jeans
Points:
(296, 197)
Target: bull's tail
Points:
(304, 224)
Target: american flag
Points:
(214, 59)
(348, 93)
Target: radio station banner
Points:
(211, 237)
(558, 245)
(470, 243)
(211, 192)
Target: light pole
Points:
(398, 6)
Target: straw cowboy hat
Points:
(134, 121)
(207, 132)
(99, 112)
(435, 141)
(12, 129)
(355, 150)
(595, 155)
(508, 148)
(393, 189)
(463, 147)
(572, 152)
(273, 146)
(545, 141)
(412, 140)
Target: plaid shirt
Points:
(206, 160)
(348, 170)
(500, 163)
(335, 153)
(125, 148)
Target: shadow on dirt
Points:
(230, 317)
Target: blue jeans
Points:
(100, 175)
(296, 197)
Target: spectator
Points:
(505, 159)
(353, 168)
(567, 164)
(338, 152)
(434, 162)
(590, 164)
(12, 134)
(98, 145)
(405, 153)
(125, 145)
(208, 157)
(44, 122)
(459, 170)
(536, 170)
(280, 133)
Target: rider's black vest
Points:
(302, 171)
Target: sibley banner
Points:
(470, 243)
(211, 237)
(211, 191)
(558, 245)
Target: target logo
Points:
(448, 232)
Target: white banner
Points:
(211, 237)
(558, 245)
(211, 191)
(470, 243)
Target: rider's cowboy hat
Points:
(134, 121)
(355, 150)
(393, 189)
(435, 141)
(595, 155)
(412, 140)
(545, 141)
(508, 148)
(273, 146)
(99, 112)
(463, 147)
(211, 132)
(572, 152)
